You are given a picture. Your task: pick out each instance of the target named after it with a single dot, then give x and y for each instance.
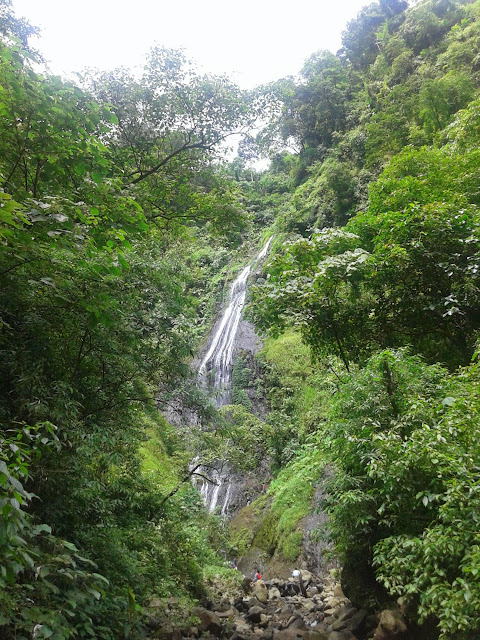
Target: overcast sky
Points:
(255, 41)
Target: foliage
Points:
(240, 382)
(272, 523)
(237, 436)
(403, 272)
(405, 440)
(393, 295)
(104, 297)
(63, 602)
(297, 394)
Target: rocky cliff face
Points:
(222, 489)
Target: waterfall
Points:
(215, 372)
(219, 357)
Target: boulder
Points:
(391, 626)
(209, 621)
(241, 627)
(288, 634)
(264, 620)
(307, 605)
(357, 621)
(246, 585)
(260, 591)
(339, 625)
(167, 632)
(297, 623)
(371, 621)
(254, 614)
(254, 602)
(306, 576)
(286, 611)
(338, 591)
(331, 602)
(342, 635)
(231, 613)
(273, 593)
(315, 635)
(343, 618)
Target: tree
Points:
(403, 438)
(402, 272)
(98, 306)
(168, 121)
(317, 108)
(359, 40)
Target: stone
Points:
(406, 606)
(338, 591)
(391, 626)
(260, 591)
(315, 635)
(339, 625)
(357, 621)
(343, 617)
(241, 626)
(342, 635)
(246, 584)
(308, 605)
(288, 634)
(306, 576)
(209, 621)
(167, 632)
(254, 602)
(298, 623)
(288, 621)
(273, 594)
(254, 614)
(286, 612)
(223, 615)
(331, 603)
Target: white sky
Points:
(255, 41)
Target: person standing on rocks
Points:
(297, 575)
(257, 575)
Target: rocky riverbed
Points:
(311, 609)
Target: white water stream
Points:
(215, 371)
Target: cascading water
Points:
(217, 363)
(215, 372)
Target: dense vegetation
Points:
(110, 195)
(118, 221)
(377, 268)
